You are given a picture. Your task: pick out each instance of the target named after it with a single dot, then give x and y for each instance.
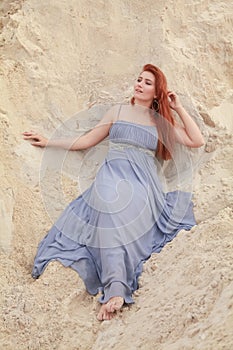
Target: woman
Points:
(124, 216)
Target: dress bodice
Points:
(144, 136)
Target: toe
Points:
(100, 314)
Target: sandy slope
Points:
(58, 58)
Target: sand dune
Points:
(59, 58)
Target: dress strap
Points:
(119, 111)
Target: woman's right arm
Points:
(92, 138)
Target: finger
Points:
(37, 144)
(31, 137)
(27, 137)
(171, 95)
(27, 133)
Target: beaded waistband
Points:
(122, 146)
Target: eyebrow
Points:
(146, 79)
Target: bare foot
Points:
(108, 310)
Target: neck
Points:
(142, 103)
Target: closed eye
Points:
(147, 81)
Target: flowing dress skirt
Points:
(109, 231)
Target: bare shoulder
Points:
(110, 116)
(113, 112)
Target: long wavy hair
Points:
(166, 121)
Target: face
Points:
(144, 89)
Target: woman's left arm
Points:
(189, 134)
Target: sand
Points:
(59, 58)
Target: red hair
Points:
(166, 137)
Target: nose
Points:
(139, 85)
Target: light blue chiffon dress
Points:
(113, 227)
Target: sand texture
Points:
(59, 58)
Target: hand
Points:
(174, 100)
(36, 139)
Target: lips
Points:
(138, 90)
